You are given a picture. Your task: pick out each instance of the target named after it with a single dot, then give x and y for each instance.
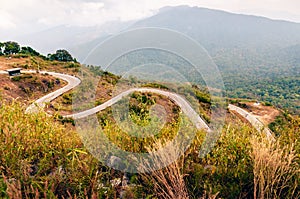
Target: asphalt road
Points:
(256, 123)
(180, 101)
(41, 102)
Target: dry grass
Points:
(209, 195)
(169, 181)
(276, 170)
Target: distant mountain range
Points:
(259, 58)
(68, 37)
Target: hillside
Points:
(44, 156)
(254, 54)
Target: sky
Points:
(27, 16)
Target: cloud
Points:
(33, 15)
(6, 22)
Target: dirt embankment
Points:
(28, 87)
(265, 114)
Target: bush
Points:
(202, 97)
(67, 98)
(226, 170)
(29, 51)
(72, 65)
(16, 78)
(268, 104)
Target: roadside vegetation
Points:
(43, 156)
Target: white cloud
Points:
(37, 14)
(6, 22)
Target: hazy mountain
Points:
(258, 57)
(217, 29)
(223, 34)
(68, 37)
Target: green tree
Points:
(62, 55)
(1, 48)
(11, 47)
(29, 51)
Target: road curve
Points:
(257, 124)
(41, 102)
(180, 101)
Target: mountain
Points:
(250, 40)
(214, 28)
(254, 54)
(68, 37)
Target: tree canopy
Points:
(62, 55)
(30, 51)
(10, 47)
(1, 47)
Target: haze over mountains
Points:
(68, 37)
(213, 29)
(258, 57)
(218, 28)
(231, 39)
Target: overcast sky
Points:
(25, 16)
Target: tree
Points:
(62, 55)
(29, 51)
(1, 48)
(11, 47)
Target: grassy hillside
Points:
(30, 62)
(28, 87)
(43, 157)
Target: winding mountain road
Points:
(180, 101)
(41, 102)
(256, 123)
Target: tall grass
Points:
(168, 182)
(276, 169)
(41, 158)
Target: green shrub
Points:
(72, 65)
(202, 97)
(226, 170)
(268, 104)
(67, 98)
(16, 78)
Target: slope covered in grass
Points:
(41, 157)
